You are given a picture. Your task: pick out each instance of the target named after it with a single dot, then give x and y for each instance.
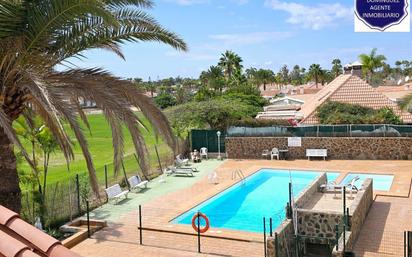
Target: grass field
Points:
(100, 145)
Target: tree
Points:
(284, 74)
(371, 62)
(337, 67)
(296, 75)
(213, 78)
(35, 36)
(230, 62)
(315, 72)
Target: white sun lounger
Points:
(336, 187)
(179, 171)
(136, 182)
(181, 162)
(115, 193)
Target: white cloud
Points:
(230, 40)
(313, 17)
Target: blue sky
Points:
(265, 33)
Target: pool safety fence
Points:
(66, 199)
(361, 130)
(407, 244)
(157, 227)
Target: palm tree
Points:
(337, 67)
(213, 78)
(265, 77)
(371, 62)
(230, 63)
(35, 36)
(315, 72)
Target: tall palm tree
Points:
(371, 62)
(35, 36)
(337, 67)
(213, 78)
(315, 72)
(230, 63)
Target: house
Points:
(349, 89)
(395, 93)
(20, 239)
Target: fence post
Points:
(404, 244)
(270, 229)
(337, 236)
(88, 219)
(105, 175)
(78, 193)
(276, 245)
(140, 225)
(264, 235)
(347, 218)
(198, 232)
(125, 175)
(290, 201)
(344, 239)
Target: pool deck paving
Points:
(162, 202)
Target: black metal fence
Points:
(208, 139)
(373, 130)
(66, 199)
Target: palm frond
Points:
(5, 124)
(406, 103)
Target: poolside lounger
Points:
(179, 171)
(181, 162)
(136, 182)
(336, 187)
(115, 193)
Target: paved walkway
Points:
(164, 201)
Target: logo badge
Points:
(382, 15)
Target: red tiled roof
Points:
(353, 90)
(20, 239)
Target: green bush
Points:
(343, 113)
(258, 123)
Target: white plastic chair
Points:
(203, 152)
(275, 152)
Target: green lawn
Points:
(100, 145)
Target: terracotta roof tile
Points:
(43, 241)
(353, 90)
(20, 239)
(6, 215)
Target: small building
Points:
(354, 68)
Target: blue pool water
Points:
(380, 182)
(243, 206)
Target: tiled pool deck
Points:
(164, 201)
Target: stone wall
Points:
(285, 240)
(345, 148)
(318, 224)
(306, 194)
(359, 208)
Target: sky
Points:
(265, 33)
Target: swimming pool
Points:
(380, 182)
(243, 206)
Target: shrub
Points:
(343, 113)
(258, 123)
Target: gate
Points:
(314, 246)
(208, 139)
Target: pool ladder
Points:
(238, 174)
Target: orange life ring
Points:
(194, 223)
